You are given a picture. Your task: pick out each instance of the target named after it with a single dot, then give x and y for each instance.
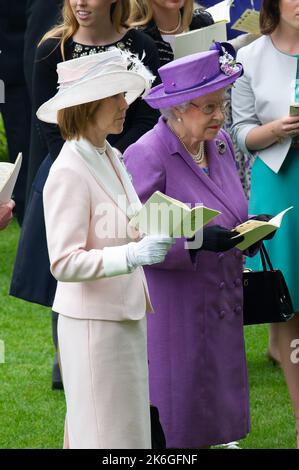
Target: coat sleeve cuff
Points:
(115, 260)
(241, 138)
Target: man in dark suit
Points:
(15, 106)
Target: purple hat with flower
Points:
(195, 75)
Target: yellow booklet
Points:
(249, 22)
(8, 177)
(164, 215)
(255, 230)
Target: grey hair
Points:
(168, 113)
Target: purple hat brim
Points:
(158, 99)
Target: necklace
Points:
(164, 31)
(101, 150)
(197, 157)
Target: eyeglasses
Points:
(210, 108)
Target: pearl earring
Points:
(179, 119)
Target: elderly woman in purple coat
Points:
(197, 364)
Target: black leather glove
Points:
(264, 218)
(217, 238)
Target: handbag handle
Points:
(265, 258)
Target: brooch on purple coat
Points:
(221, 146)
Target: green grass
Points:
(32, 415)
(272, 421)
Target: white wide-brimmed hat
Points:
(94, 77)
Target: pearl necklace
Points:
(163, 31)
(101, 150)
(197, 157)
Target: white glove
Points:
(151, 249)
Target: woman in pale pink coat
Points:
(102, 294)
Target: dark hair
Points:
(270, 16)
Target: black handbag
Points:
(266, 295)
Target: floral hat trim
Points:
(227, 58)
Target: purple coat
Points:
(197, 364)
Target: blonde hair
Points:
(142, 13)
(69, 26)
(73, 121)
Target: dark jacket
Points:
(12, 28)
(41, 17)
(32, 279)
